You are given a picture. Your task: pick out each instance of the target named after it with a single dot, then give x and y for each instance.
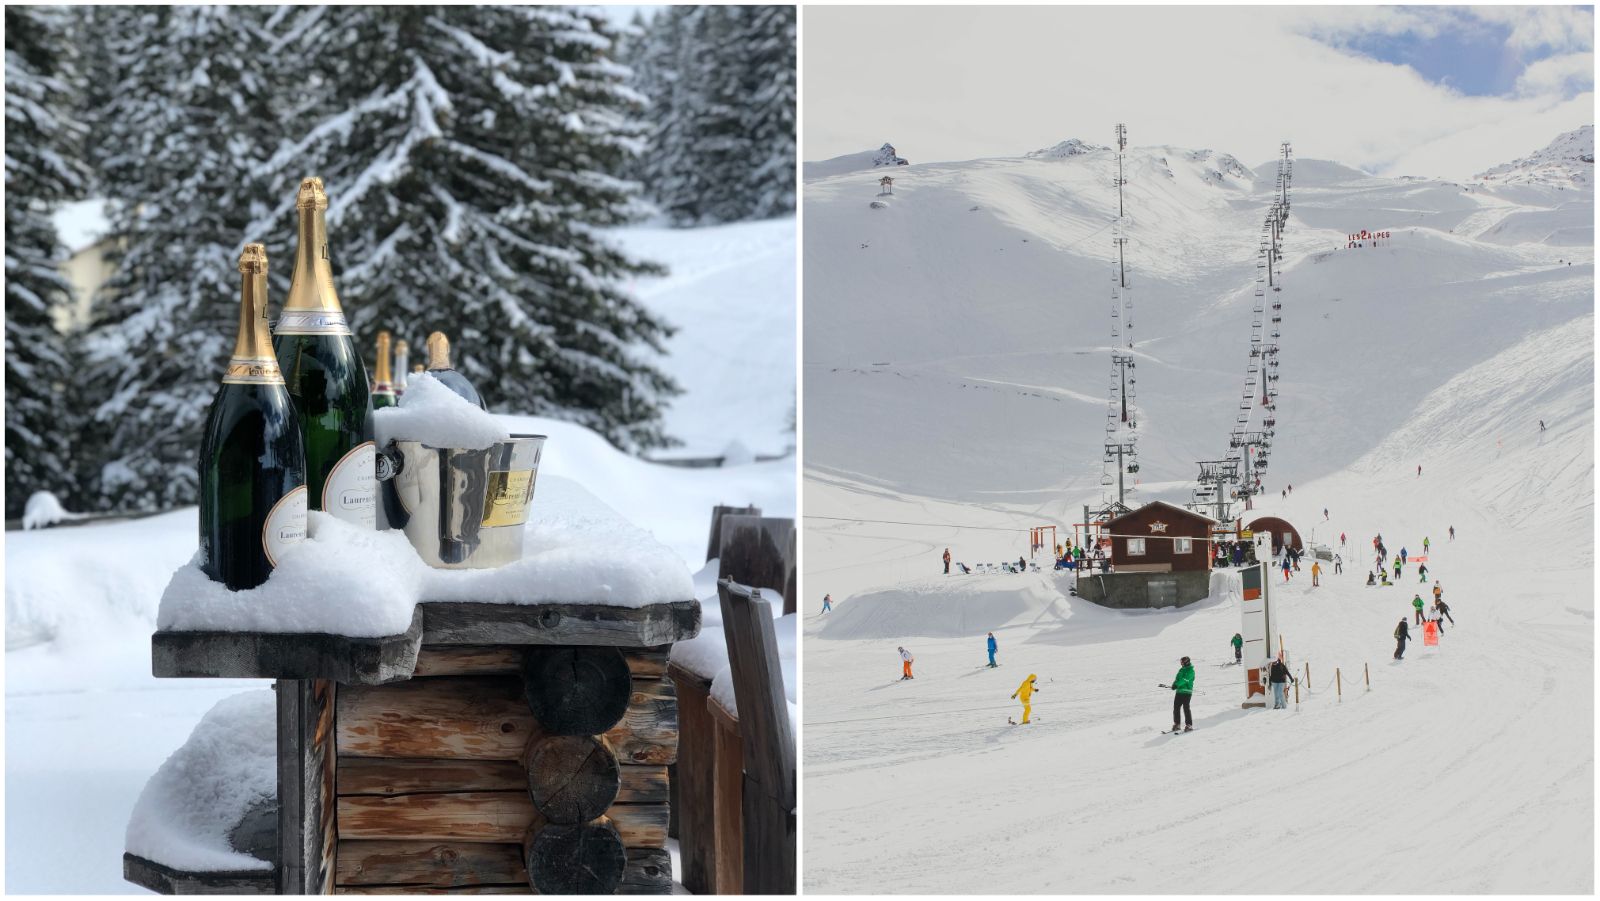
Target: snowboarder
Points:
(1024, 693)
(1422, 570)
(947, 561)
(1316, 574)
(1279, 677)
(1402, 634)
(1338, 564)
(905, 664)
(1416, 601)
(1397, 569)
(1444, 611)
(1437, 592)
(1183, 689)
(1238, 647)
(1541, 422)
(1452, 533)
(1371, 580)
(993, 646)
(827, 603)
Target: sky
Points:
(1433, 91)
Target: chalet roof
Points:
(1177, 510)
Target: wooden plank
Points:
(697, 849)
(442, 864)
(464, 717)
(648, 733)
(727, 815)
(643, 784)
(640, 825)
(649, 872)
(433, 890)
(393, 658)
(759, 552)
(560, 624)
(769, 754)
(165, 880)
(437, 816)
(500, 660)
(306, 726)
(714, 542)
(400, 776)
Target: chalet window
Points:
(1136, 547)
(1183, 545)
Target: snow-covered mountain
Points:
(1567, 162)
(1069, 147)
(956, 364)
(855, 162)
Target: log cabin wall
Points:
(451, 782)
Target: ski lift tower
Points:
(1122, 420)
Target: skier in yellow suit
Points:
(1025, 692)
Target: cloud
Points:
(1560, 75)
(1558, 29)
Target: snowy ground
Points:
(955, 370)
(86, 725)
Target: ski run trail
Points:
(955, 363)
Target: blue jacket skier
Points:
(993, 646)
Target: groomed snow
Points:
(344, 580)
(434, 415)
(229, 763)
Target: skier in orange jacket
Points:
(1024, 693)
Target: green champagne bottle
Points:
(439, 368)
(402, 359)
(252, 465)
(382, 388)
(327, 379)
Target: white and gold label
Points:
(351, 490)
(253, 371)
(509, 493)
(311, 322)
(285, 524)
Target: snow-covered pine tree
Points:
(471, 155)
(183, 130)
(768, 38)
(43, 168)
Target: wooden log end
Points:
(576, 690)
(571, 778)
(586, 859)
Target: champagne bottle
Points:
(439, 368)
(382, 391)
(327, 379)
(252, 464)
(402, 360)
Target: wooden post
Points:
(1368, 674)
(306, 804)
(1339, 682)
(769, 753)
(759, 552)
(692, 800)
(714, 543)
(1308, 677)
(1297, 694)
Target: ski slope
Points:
(955, 373)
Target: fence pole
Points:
(1308, 675)
(1368, 674)
(1339, 682)
(1297, 694)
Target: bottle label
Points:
(253, 371)
(285, 524)
(351, 490)
(508, 496)
(311, 322)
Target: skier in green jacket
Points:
(1416, 601)
(1183, 689)
(1238, 647)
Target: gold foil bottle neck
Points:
(254, 361)
(382, 377)
(311, 195)
(253, 259)
(417, 368)
(438, 351)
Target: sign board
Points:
(1244, 534)
(1258, 629)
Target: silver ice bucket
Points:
(461, 509)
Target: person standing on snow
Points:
(1024, 693)
(827, 603)
(1431, 615)
(905, 664)
(1403, 555)
(1424, 545)
(1437, 592)
(1416, 601)
(1341, 539)
(1279, 677)
(1316, 574)
(1286, 568)
(1452, 533)
(1022, 565)
(1397, 569)
(1402, 634)
(1183, 689)
(947, 561)
(1338, 564)
(1444, 611)
(1238, 647)
(1419, 470)
(1422, 570)
(993, 646)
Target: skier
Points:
(1419, 470)
(1402, 634)
(1324, 512)
(905, 665)
(1452, 533)
(1416, 601)
(1431, 615)
(1403, 555)
(1424, 545)
(1291, 489)
(1341, 539)
(1397, 569)
(1280, 677)
(1284, 493)
(993, 646)
(827, 603)
(1316, 574)
(1422, 570)
(1338, 564)
(1238, 648)
(1437, 592)
(1024, 693)
(1444, 611)
(947, 561)
(1541, 422)
(1286, 568)
(1183, 689)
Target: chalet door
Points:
(1161, 592)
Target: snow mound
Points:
(434, 415)
(1568, 161)
(945, 607)
(1069, 148)
(345, 580)
(44, 509)
(229, 764)
(854, 162)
